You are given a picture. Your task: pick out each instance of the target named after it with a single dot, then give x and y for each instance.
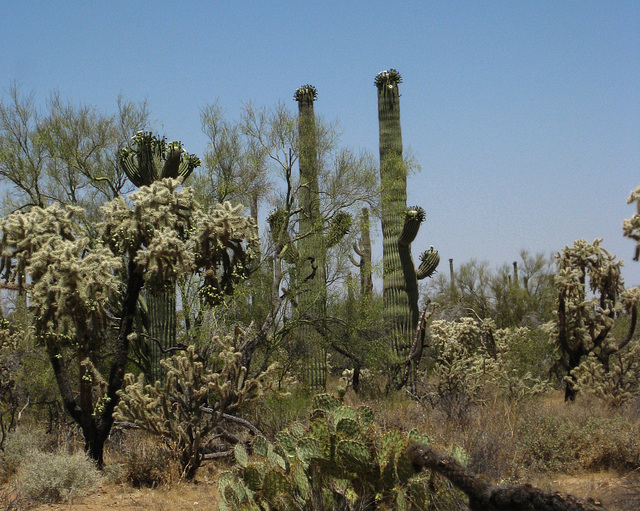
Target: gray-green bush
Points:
(56, 477)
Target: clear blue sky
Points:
(524, 116)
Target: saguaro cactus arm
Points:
(150, 158)
(429, 260)
(413, 217)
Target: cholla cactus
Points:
(631, 226)
(338, 461)
(472, 356)
(163, 234)
(148, 159)
(399, 224)
(167, 235)
(186, 408)
(590, 296)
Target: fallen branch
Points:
(233, 418)
(486, 497)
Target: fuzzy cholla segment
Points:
(70, 281)
(631, 226)
(188, 406)
(599, 357)
(168, 235)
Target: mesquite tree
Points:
(148, 159)
(591, 296)
(399, 224)
(66, 154)
(76, 292)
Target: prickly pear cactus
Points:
(338, 460)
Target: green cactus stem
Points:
(278, 222)
(413, 217)
(338, 228)
(429, 260)
(399, 224)
(363, 249)
(311, 245)
(150, 158)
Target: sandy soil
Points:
(614, 492)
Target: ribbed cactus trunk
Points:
(399, 224)
(161, 309)
(311, 246)
(400, 291)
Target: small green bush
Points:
(578, 438)
(56, 477)
(16, 449)
(610, 443)
(547, 443)
(274, 412)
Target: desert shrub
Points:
(274, 412)
(144, 460)
(490, 446)
(589, 437)
(530, 350)
(546, 443)
(18, 445)
(56, 477)
(472, 359)
(609, 443)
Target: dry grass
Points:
(176, 497)
(585, 448)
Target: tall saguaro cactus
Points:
(311, 246)
(149, 159)
(399, 224)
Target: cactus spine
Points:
(399, 224)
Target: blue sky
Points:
(524, 116)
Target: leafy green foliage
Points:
(66, 154)
(522, 295)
